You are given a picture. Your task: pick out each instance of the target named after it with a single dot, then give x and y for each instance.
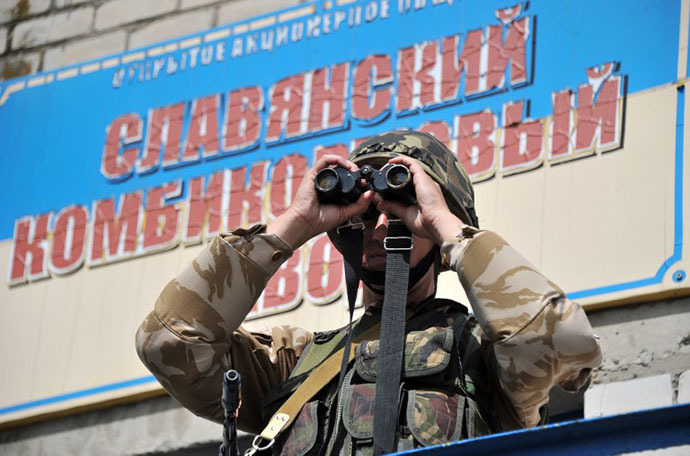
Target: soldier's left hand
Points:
(430, 218)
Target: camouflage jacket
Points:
(533, 337)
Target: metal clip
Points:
(352, 226)
(408, 246)
(257, 447)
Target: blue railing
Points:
(636, 431)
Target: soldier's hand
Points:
(307, 217)
(430, 218)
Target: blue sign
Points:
(130, 154)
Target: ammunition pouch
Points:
(442, 385)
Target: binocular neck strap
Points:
(398, 245)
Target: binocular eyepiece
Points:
(341, 186)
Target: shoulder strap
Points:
(314, 383)
(313, 356)
(315, 353)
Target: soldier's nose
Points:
(381, 227)
(382, 220)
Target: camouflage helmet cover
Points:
(436, 159)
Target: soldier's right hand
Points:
(307, 217)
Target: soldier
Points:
(460, 376)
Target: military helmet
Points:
(436, 159)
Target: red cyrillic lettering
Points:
(205, 208)
(69, 237)
(522, 146)
(242, 119)
(125, 130)
(162, 220)
(287, 175)
(336, 149)
(598, 121)
(475, 143)
(372, 72)
(332, 97)
(409, 96)
(286, 108)
(164, 131)
(246, 201)
(440, 129)
(453, 66)
(121, 236)
(284, 290)
(513, 50)
(561, 124)
(29, 249)
(325, 272)
(203, 129)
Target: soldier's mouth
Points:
(375, 261)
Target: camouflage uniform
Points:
(532, 337)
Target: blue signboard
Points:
(130, 154)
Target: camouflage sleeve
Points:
(192, 336)
(538, 338)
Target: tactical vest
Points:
(443, 388)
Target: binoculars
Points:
(342, 186)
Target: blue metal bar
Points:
(636, 431)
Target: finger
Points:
(391, 207)
(330, 160)
(415, 167)
(404, 159)
(351, 166)
(418, 173)
(358, 207)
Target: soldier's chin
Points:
(376, 288)
(376, 263)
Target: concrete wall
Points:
(153, 426)
(646, 357)
(40, 35)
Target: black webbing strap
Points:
(398, 245)
(351, 246)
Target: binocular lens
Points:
(342, 186)
(397, 176)
(327, 180)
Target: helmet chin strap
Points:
(376, 280)
(351, 247)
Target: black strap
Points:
(392, 338)
(351, 246)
